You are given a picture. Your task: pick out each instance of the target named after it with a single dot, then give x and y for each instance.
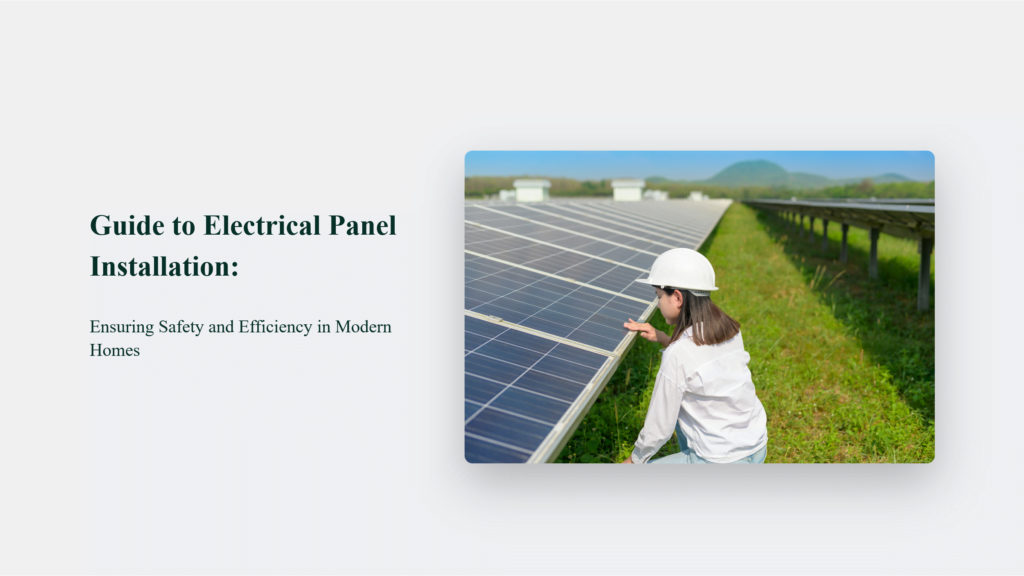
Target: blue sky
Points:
(694, 165)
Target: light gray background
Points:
(342, 453)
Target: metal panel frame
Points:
(914, 219)
(905, 220)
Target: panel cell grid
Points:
(560, 308)
(517, 388)
(654, 234)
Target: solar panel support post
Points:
(873, 260)
(842, 247)
(924, 274)
(811, 229)
(801, 225)
(824, 235)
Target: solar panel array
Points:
(548, 288)
(908, 218)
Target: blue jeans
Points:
(688, 456)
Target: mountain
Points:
(889, 177)
(753, 173)
(799, 180)
(762, 173)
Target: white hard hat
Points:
(682, 268)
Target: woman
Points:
(703, 389)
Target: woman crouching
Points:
(703, 389)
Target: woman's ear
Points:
(677, 299)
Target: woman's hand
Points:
(646, 331)
(628, 460)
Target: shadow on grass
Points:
(881, 313)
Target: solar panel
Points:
(910, 218)
(547, 289)
(518, 388)
(516, 222)
(624, 225)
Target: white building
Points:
(627, 189)
(658, 195)
(507, 195)
(697, 195)
(529, 190)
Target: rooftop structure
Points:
(627, 189)
(531, 190)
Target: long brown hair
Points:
(717, 326)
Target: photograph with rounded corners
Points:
(699, 307)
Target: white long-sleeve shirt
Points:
(709, 391)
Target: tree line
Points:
(480, 187)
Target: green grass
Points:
(844, 365)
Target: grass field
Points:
(844, 365)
